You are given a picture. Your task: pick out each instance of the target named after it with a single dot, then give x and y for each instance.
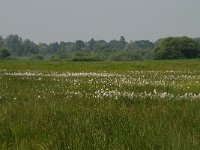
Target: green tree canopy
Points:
(53, 47)
(30, 47)
(13, 43)
(4, 53)
(176, 47)
(197, 40)
(122, 42)
(91, 44)
(1, 42)
(102, 46)
(140, 45)
(79, 45)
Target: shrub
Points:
(176, 48)
(4, 53)
(55, 58)
(84, 57)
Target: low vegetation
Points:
(100, 105)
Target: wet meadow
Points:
(100, 105)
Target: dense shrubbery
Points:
(4, 53)
(37, 57)
(84, 57)
(131, 55)
(176, 48)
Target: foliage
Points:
(84, 57)
(37, 57)
(177, 47)
(43, 48)
(140, 45)
(14, 44)
(79, 45)
(4, 53)
(102, 46)
(130, 55)
(55, 58)
(198, 41)
(1, 42)
(91, 45)
(167, 48)
(29, 47)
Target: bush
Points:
(176, 48)
(55, 58)
(84, 57)
(4, 53)
(37, 57)
(131, 55)
(12, 58)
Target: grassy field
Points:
(100, 105)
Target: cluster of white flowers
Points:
(56, 74)
(144, 95)
(176, 85)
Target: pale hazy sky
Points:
(69, 20)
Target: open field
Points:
(100, 105)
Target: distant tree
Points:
(197, 40)
(122, 42)
(4, 53)
(30, 47)
(70, 48)
(102, 46)
(114, 45)
(14, 44)
(79, 45)
(140, 45)
(53, 47)
(1, 42)
(62, 49)
(43, 48)
(176, 47)
(91, 44)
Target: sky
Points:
(70, 20)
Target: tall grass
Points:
(49, 112)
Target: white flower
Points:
(154, 91)
(163, 95)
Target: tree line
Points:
(13, 46)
